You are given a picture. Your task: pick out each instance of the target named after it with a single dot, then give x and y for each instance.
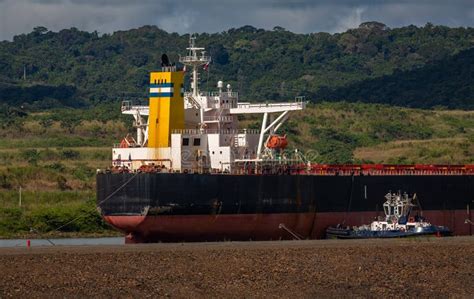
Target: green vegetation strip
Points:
(44, 212)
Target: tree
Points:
(70, 122)
(40, 30)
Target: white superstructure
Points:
(211, 140)
(397, 208)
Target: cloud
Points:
(302, 16)
(352, 20)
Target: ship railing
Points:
(212, 131)
(296, 167)
(299, 102)
(127, 106)
(267, 166)
(219, 118)
(228, 94)
(380, 169)
(171, 68)
(132, 145)
(301, 169)
(191, 58)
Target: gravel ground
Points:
(322, 268)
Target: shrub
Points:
(83, 172)
(31, 155)
(70, 154)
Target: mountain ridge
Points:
(263, 65)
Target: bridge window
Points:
(197, 141)
(185, 141)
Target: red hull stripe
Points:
(261, 226)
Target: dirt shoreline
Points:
(433, 267)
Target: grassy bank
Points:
(43, 212)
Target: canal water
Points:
(62, 242)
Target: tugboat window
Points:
(185, 141)
(197, 142)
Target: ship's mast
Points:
(194, 60)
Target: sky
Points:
(301, 16)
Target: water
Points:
(63, 242)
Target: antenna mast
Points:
(195, 60)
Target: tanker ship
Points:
(191, 174)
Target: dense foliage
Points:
(408, 66)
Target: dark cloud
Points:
(20, 16)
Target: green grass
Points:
(339, 131)
(44, 212)
(59, 141)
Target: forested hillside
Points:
(409, 66)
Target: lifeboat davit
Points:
(277, 142)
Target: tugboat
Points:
(397, 222)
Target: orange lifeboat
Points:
(277, 142)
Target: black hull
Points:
(323, 200)
(193, 194)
